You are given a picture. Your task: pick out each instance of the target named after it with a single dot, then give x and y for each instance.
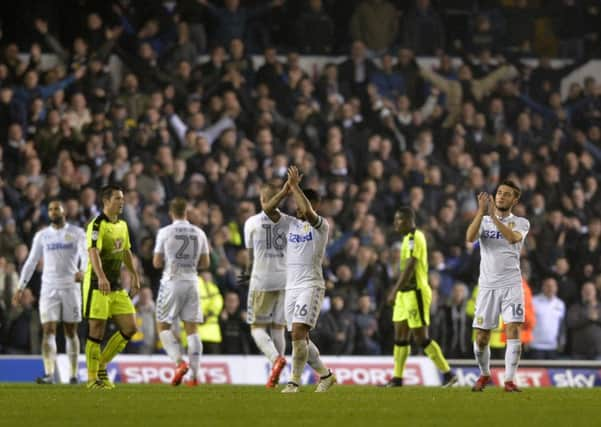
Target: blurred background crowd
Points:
(193, 115)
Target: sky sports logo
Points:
(536, 377)
(159, 373)
(372, 374)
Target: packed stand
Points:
(370, 134)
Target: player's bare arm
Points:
(402, 282)
(104, 286)
(509, 235)
(471, 234)
(271, 206)
(204, 261)
(304, 205)
(158, 261)
(128, 260)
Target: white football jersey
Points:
(304, 253)
(64, 252)
(500, 260)
(267, 239)
(181, 245)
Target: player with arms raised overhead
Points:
(501, 235)
(103, 296)
(181, 248)
(265, 238)
(63, 248)
(412, 297)
(305, 286)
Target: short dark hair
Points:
(55, 199)
(312, 195)
(178, 206)
(107, 191)
(407, 212)
(517, 192)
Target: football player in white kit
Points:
(305, 286)
(265, 238)
(181, 248)
(501, 235)
(63, 247)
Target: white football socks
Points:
(300, 353)
(171, 345)
(49, 353)
(194, 353)
(279, 340)
(315, 361)
(72, 347)
(512, 358)
(265, 344)
(483, 359)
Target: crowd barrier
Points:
(368, 371)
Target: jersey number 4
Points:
(274, 237)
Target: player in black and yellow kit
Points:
(412, 297)
(103, 296)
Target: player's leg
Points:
(300, 355)
(513, 315)
(96, 310)
(71, 315)
(278, 332)
(72, 348)
(166, 315)
(48, 352)
(418, 304)
(402, 347)
(194, 351)
(96, 328)
(191, 314)
(486, 318)
(50, 314)
(260, 310)
(123, 314)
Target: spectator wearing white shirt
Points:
(550, 311)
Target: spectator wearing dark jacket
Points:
(314, 30)
(584, 324)
(335, 332)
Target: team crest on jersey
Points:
(69, 237)
(118, 244)
(511, 225)
(306, 228)
(95, 235)
(413, 314)
(479, 320)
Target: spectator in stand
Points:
(233, 20)
(335, 330)
(314, 30)
(455, 329)
(234, 329)
(389, 83)
(366, 326)
(146, 337)
(376, 23)
(584, 325)
(549, 332)
(519, 28)
(423, 29)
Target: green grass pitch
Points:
(27, 405)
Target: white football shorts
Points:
(179, 300)
(266, 307)
(303, 305)
(493, 303)
(63, 304)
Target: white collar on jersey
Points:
(501, 218)
(181, 221)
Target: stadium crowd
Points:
(371, 133)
